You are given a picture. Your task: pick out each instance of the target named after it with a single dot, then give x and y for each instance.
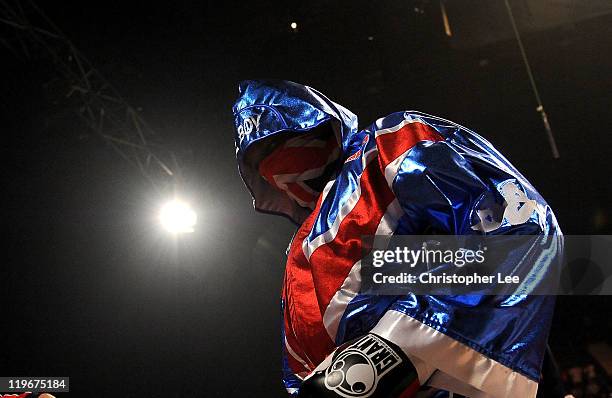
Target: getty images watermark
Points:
(487, 265)
(412, 258)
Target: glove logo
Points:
(355, 372)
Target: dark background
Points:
(93, 290)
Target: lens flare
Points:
(178, 217)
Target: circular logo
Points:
(351, 374)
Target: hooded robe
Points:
(302, 156)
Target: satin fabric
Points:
(407, 173)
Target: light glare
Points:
(178, 217)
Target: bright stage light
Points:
(178, 217)
(293, 25)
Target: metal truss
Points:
(29, 31)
